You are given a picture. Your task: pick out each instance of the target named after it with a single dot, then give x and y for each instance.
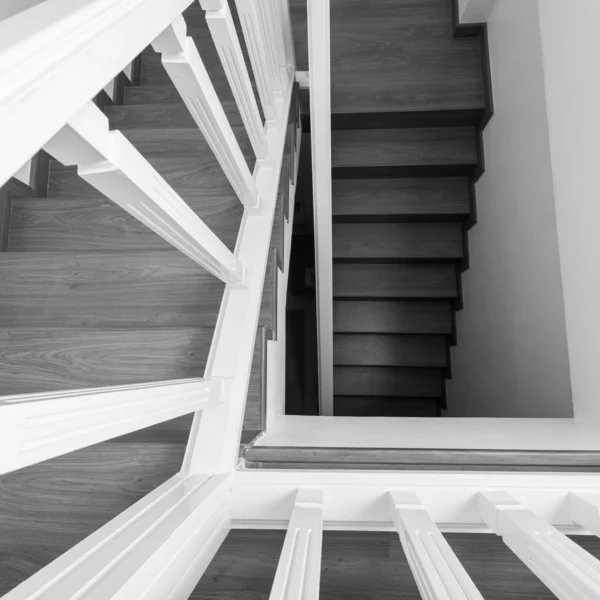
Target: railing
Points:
(320, 123)
(53, 59)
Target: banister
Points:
(56, 56)
(36, 427)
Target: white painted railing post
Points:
(288, 37)
(187, 71)
(254, 30)
(159, 548)
(565, 568)
(437, 571)
(299, 570)
(110, 163)
(320, 123)
(222, 28)
(36, 427)
(584, 508)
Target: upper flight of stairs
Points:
(409, 100)
(90, 297)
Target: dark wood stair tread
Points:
(389, 198)
(411, 382)
(384, 406)
(404, 147)
(162, 115)
(394, 281)
(397, 240)
(389, 56)
(392, 316)
(389, 350)
(152, 289)
(41, 360)
(99, 225)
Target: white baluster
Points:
(585, 510)
(36, 427)
(437, 571)
(110, 163)
(222, 28)
(288, 38)
(158, 548)
(256, 42)
(187, 71)
(299, 569)
(565, 568)
(276, 17)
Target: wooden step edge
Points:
(436, 459)
(401, 119)
(405, 171)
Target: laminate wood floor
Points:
(367, 566)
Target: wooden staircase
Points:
(91, 297)
(409, 100)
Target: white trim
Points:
(57, 55)
(183, 63)
(36, 427)
(156, 549)
(357, 500)
(437, 571)
(320, 134)
(255, 36)
(276, 349)
(299, 569)
(228, 46)
(562, 565)
(446, 433)
(303, 79)
(215, 435)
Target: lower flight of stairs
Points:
(90, 297)
(401, 200)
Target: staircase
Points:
(409, 100)
(91, 297)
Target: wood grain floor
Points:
(395, 55)
(47, 508)
(367, 566)
(91, 297)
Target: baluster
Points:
(36, 427)
(110, 163)
(585, 510)
(256, 42)
(564, 567)
(276, 17)
(437, 571)
(157, 548)
(299, 569)
(220, 23)
(288, 38)
(187, 71)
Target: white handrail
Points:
(56, 56)
(156, 549)
(320, 127)
(36, 427)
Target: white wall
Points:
(571, 49)
(511, 359)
